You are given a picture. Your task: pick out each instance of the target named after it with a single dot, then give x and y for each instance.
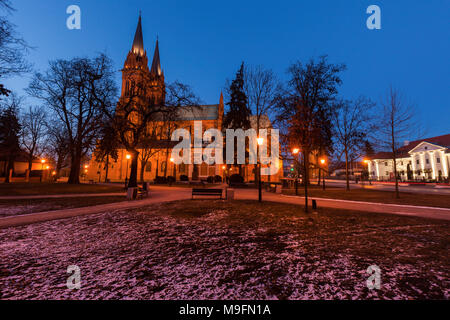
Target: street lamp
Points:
(128, 157)
(366, 161)
(223, 173)
(322, 167)
(260, 143)
(295, 152)
(42, 169)
(172, 160)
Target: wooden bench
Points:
(207, 192)
(143, 192)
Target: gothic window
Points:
(428, 161)
(182, 168)
(438, 160)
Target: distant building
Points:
(20, 164)
(426, 159)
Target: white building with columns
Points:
(423, 160)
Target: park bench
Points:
(143, 192)
(207, 192)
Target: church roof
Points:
(138, 43)
(204, 112)
(156, 64)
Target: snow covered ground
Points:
(223, 250)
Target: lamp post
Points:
(42, 169)
(260, 143)
(172, 160)
(366, 162)
(295, 152)
(322, 165)
(223, 173)
(128, 157)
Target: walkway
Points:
(59, 196)
(165, 194)
(157, 196)
(408, 210)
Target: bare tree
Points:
(136, 111)
(57, 146)
(12, 47)
(305, 109)
(33, 132)
(397, 123)
(78, 91)
(261, 88)
(353, 122)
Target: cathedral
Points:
(157, 161)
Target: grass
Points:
(27, 206)
(31, 189)
(232, 250)
(368, 195)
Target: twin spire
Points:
(138, 48)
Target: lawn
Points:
(17, 207)
(31, 189)
(430, 200)
(227, 250)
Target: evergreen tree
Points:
(9, 136)
(238, 115)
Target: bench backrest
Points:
(207, 191)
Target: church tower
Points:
(137, 78)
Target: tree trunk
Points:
(74, 176)
(132, 183)
(347, 178)
(141, 173)
(306, 177)
(9, 168)
(106, 169)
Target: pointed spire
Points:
(138, 43)
(156, 65)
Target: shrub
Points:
(236, 178)
(171, 179)
(217, 178)
(210, 179)
(160, 180)
(184, 178)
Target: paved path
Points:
(59, 196)
(166, 194)
(157, 196)
(418, 211)
(428, 189)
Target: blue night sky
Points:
(202, 43)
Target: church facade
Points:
(157, 161)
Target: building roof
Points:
(138, 43)
(204, 112)
(443, 141)
(156, 64)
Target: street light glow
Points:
(128, 157)
(172, 160)
(296, 151)
(322, 161)
(43, 161)
(260, 141)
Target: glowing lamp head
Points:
(366, 161)
(172, 160)
(295, 151)
(43, 161)
(322, 161)
(47, 167)
(223, 167)
(128, 157)
(260, 141)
